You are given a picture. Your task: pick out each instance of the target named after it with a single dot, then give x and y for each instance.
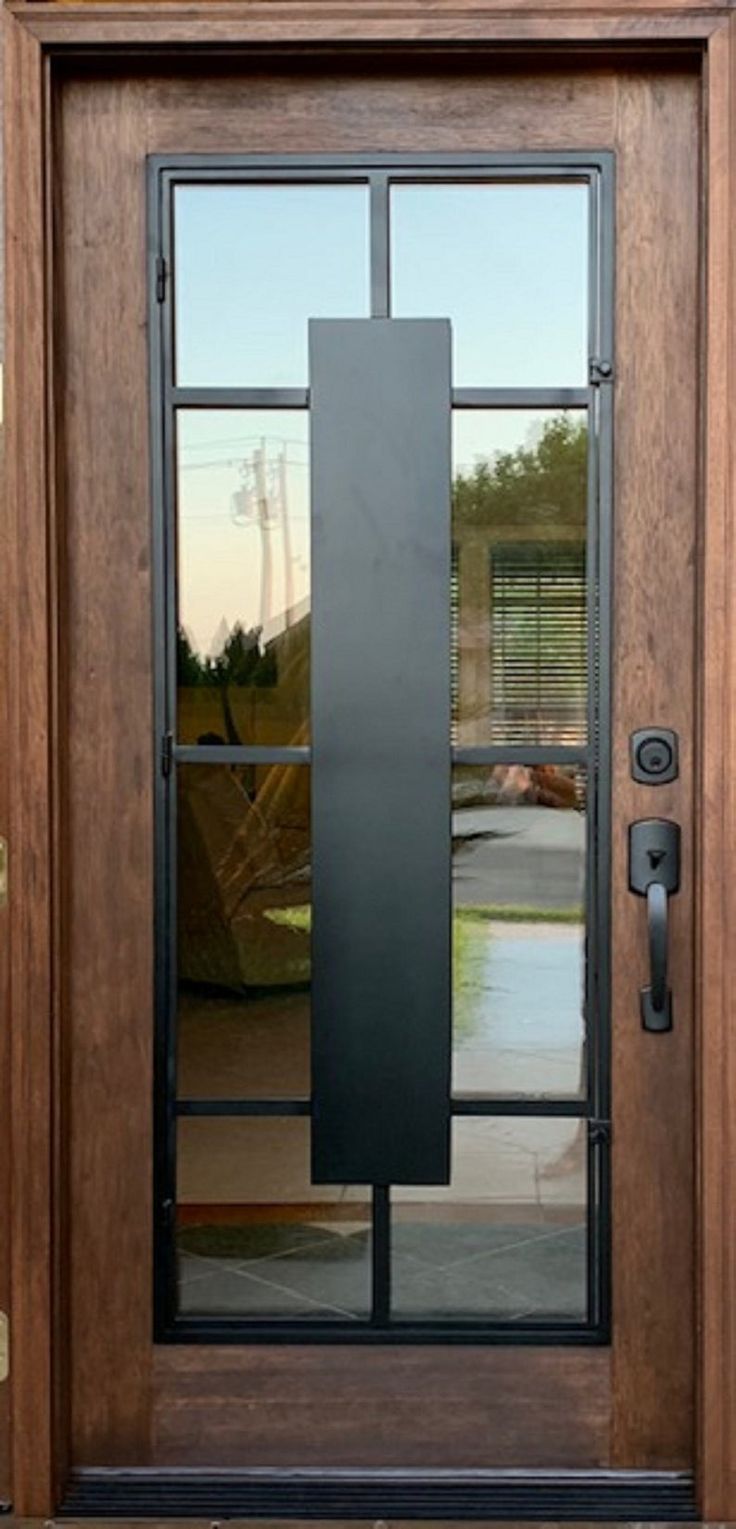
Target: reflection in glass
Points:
(506, 1239)
(243, 896)
(519, 628)
(508, 265)
(518, 859)
(255, 1237)
(243, 576)
(252, 265)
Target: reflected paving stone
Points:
(226, 1291)
(549, 1275)
(535, 1275)
(315, 1273)
(443, 1246)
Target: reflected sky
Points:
(252, 265)
(506, 263)
(508, 266)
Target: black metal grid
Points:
(379, 173)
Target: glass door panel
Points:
(243, 581)
(508, 265)
(516, 1240)
(253, 264)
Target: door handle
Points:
(654, 873)
(657, 899)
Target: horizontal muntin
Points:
(460, 1106)
(298, 398)
(460, 754)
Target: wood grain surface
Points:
(262, 1405)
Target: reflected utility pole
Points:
(259, 475)
(286, 534)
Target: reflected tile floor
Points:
(297, 1271)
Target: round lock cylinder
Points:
(654, 756)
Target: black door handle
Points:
(654, 873)
(657, 923)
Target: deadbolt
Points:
(654, 756)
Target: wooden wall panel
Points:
(28, 924)
(349, 110)
(717, 811)
(656, 497)
(107, 720)
(392, 1407)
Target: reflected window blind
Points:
(539, 643)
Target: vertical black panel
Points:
(380, 411)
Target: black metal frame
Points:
(379, 172)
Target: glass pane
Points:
(506, 1239)
(519, 602)
(243, 903)
(518, 862)
(508, 264)
(252, 265)
(243, 576)
(255, 1237)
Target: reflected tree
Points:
(532, 486)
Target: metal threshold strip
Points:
(575, 1496)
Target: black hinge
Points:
(600, 369)
(167, 753)
(161, 274)
(599, 1132)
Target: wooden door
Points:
(537, 1312)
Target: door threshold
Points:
(308, 1493)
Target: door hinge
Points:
(167, 753)
(599, 1132)
(161, 274)
(4, 1346)
(3, 872)
(600, 369)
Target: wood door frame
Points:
(39, 33)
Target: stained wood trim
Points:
(717, 809)
(28, 755)
(420, 10)
(29, 700)
(5, 1142)
(655, 505)
(58, 25)
(5, 1218)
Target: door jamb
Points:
(38, 33)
